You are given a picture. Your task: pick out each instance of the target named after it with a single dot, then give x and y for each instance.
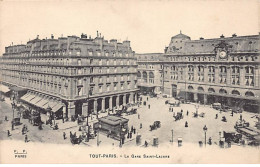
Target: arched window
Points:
(211, 90)
(151, 75)
(235, 92)
(139, 74)
(200, 89)
(249, 94)
(145, 76)
(222, 91)
(190, 87)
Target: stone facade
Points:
(222, 70)
(79, 73)
(150, 72)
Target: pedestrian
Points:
(138, 116)
(181, 111)
(240, 117)
(8, 133)
(216, 116)
(145, 143)
(147, 98)
(70, 134)
(149, 106)
(64, 135)
(141, 125)
(172, 109)
(25, 139)
(210, 141)
(63, 119)
(134, 130)
(130, 135)
(186, 124)
(169, 109)
(187, 113)
(6, 118)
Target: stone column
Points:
(195, 97)
(242, 76)
(131, 98)
(124, 99)
(64, 110)
(103, 103)
(85, 109)
(117, 100)
(111, 102)
(195, 73)
(205, 99)
(256, 76)
(135, 97)
(206, 73)
(228, 75)
(216, 74)
(71, 109)
(95, 106)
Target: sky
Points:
(149, 25)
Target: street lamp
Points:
(197, 107)
(99, 128)
(120, 124)
(219, 135)
(205, 130)
(172, 136)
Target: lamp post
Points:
(99, 128)
(197, 107)
(219, 135)
(205, 130)
(172, 136)
(120, 124)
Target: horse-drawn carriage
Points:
(232, 136)
(16, 121)
(155, 125)
(75, 140)
(178, 116)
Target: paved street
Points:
(159, 111)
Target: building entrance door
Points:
(174, 90)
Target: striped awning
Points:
(43, 103)
(25, 96)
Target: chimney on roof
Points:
(52, 37)
(222, 36)
(201, 38)
(37, 37)
(180, 31)
(234, 35)
(97, 33)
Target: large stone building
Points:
(224, 69)
(150, 73)
(73, 75)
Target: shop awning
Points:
(56, 108)
(25, 96)
(30, 98)
(4, 88)
(42, 103)
(35, 100)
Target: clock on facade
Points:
(222, 54)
